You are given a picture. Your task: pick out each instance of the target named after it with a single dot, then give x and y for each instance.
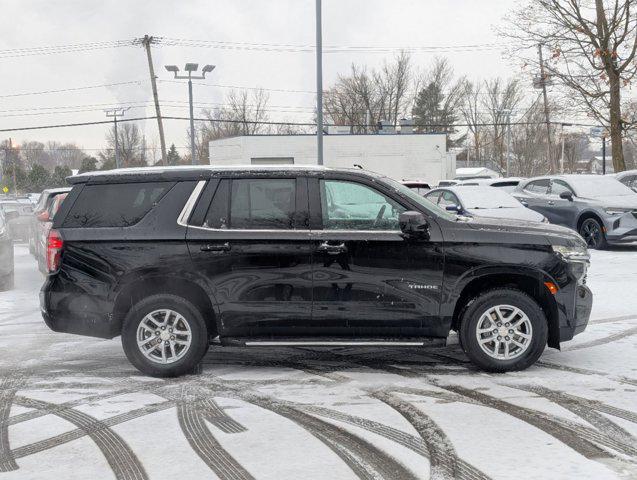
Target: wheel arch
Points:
(530, 282)
(588, 214)
(132, 292)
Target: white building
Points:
(399, 156)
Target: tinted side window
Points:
(448, 198)
(115, 205)
(352, 206)
(558, 186)
(263, 203)
(217, 216)
(538, 186)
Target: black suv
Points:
(173, 259)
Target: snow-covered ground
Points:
(72, 407)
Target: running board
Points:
(329, 342)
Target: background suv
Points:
(171, 258)
(600, 208)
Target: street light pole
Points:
(191, 67)
(319, 84)
(114, 113)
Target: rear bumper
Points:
(75, 312)
(575, 311)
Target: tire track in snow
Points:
(586, 372)
(122, 460)
(587, 410)
(466, 471)
(443, 459)
(364, 459)
(94, 426)
(8, 388)
(602, 341)
(206, 446)
(583, 440)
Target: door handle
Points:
(551, 202)
(332, 249)
(219, 247)
(525, 204)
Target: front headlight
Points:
(572, 254)
(617, 211)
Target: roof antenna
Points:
(358, 166)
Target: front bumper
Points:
(621, 228)
(574, 310)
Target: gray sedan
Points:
(482, 202)
(600, 208)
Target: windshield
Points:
(416, 198)
(598, 186)
(486, 197)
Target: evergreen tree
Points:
(38, 178)
(172, 156)
(58, 178)
(89, 164)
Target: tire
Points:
(592, 231)
(178, 359)
(526, 318)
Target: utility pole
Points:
(146, 42)
(563, 141)
(604, 155)
(14, 165)
(114, 113)
(509, 143)
(319, 84)
(543, 79)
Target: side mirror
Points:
(453, 208)
(12, 215)
(414, 225)
(43, 216)
(566, 195)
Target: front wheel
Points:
(592, 231)
(503, 330)
(164, 336)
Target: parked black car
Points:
(172, 258)
(602, 209)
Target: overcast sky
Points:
(42, 23)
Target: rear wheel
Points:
(164, 336)
(503, 330)
(592, 231)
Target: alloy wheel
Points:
(164, 336)
(504, 332)
(592, 232)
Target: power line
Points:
(73, 89)
(257, 122)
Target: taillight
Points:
(54, 245)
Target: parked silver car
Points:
(628, 178)
(602, 209)
(478, 201)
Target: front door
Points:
(561, 211)
(249, 241)
(366, 275)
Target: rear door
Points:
(249, 239)
(367, 277)
(535, 195)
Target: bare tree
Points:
(362, 99)
(593, 45)
(469, 107)
(500, 99)
(131, 145)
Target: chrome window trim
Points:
(183, 217)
